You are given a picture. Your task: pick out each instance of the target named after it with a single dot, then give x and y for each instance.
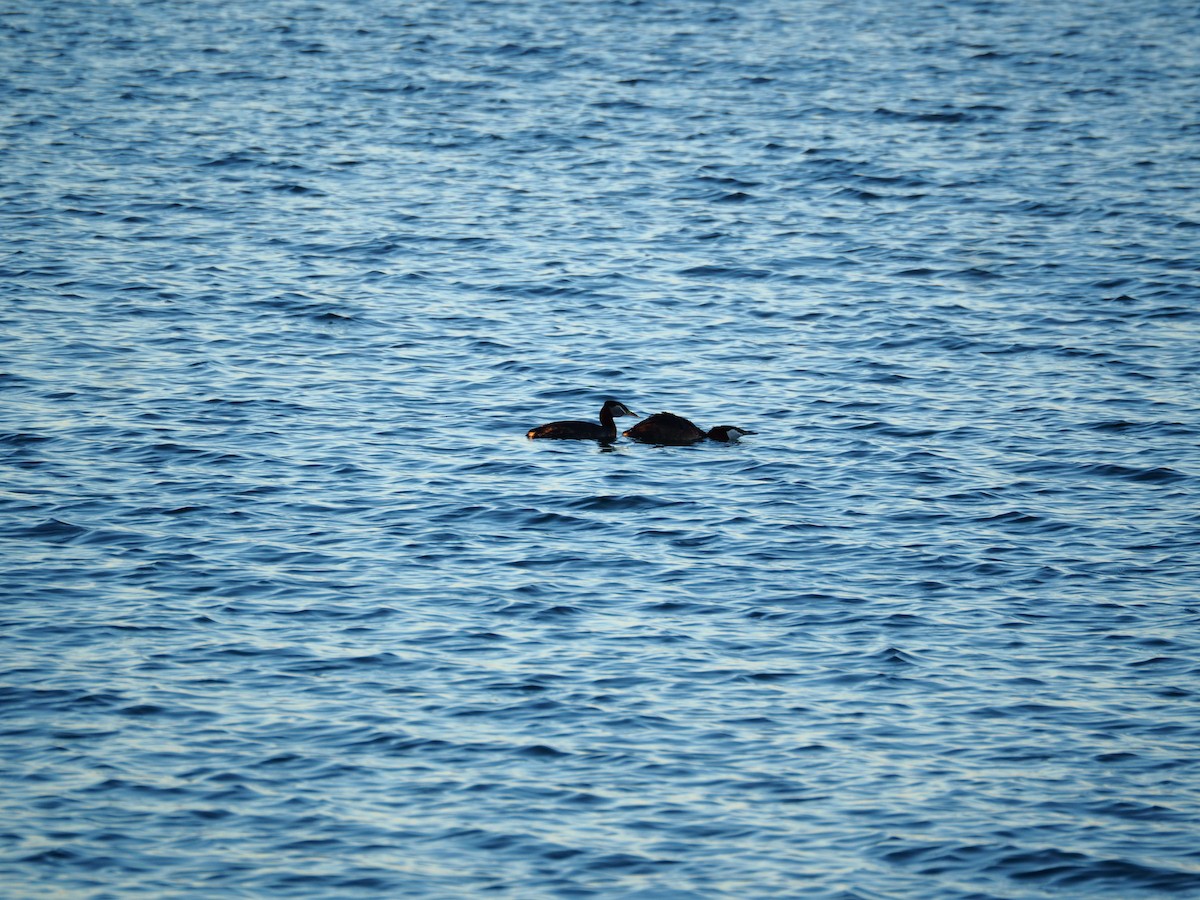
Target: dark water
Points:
(292, 608)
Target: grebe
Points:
(606, 431)
(676, 431)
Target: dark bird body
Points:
(606, 431)
(676, 431)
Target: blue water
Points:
(293, 609)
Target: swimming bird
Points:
(606, 431)
(676, 431)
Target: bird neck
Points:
(607, 422)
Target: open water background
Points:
(291, 608)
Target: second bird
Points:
(676, 431)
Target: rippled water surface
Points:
(292, 608)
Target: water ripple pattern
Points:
(291, 607)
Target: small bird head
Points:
(615, 408)
(727, 434)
